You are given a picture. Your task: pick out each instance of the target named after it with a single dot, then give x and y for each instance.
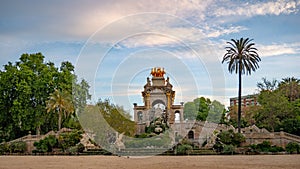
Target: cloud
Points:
(220, 31)
(261, 8)
(278, 49)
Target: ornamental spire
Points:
(158, 72)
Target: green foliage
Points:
(228, 149)
(60, 102)
(230, 138)
(116, 117)
(227, 141)
(291, 126)
(280, 105)
(67, 142)
(80, 148)
(183, 149)
(161, 141)
(274, 109)
(46, 145)
(266, 146)
(72, 123)
(290, 87)
(203, 109)
(4, 148)
(17, 147)
(69, 139)
(24, 88)
(150, 128)
(293, 147)
(242, 58)
(190, 111)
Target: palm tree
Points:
(242, 58)
(267, 85)
(290, 87)
(60, 102)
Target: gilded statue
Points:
(158, 72)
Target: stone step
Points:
(141, 152)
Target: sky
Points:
(115, 43)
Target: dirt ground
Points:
(156, 162)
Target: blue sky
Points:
(115, 43)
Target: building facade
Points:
(248, 100)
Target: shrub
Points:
(46, 145)
(4, 148)
(17, 147)
(228, 149)
(266, 147)
(183, 148)
(292, 147)
(80, 148)
(230, 138)
(67, 140)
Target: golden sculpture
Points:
(158, 72)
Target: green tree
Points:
(25, 86)
(24, 89)
(116, 117)
(204, 109)
(290, 87)
(242, 58)
(273, 110)
(190, 111)
(216, 111)
(61, 103)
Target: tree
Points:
(202, 107)
(290, 87)
(116, 117)
(267, 85)
(190, 111)
(61, 102)
(216, 110)
(242, 58)
(273, 110)
(24, 89)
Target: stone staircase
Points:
(143, 152)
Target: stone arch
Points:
(191, 134)
(177, 116)
(157, 102)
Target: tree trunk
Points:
(240, 100)
(59, 120)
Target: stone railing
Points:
(288, 136)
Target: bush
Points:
(228, 149)
(17, 147)
(80, 148)
(292, 147)
(266, 147)
(4, 148)
(183, 149)
(230, 138)
(67, 140)
(46, 145)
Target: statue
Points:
(148, 81)
(158, 72)
(120, 145)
